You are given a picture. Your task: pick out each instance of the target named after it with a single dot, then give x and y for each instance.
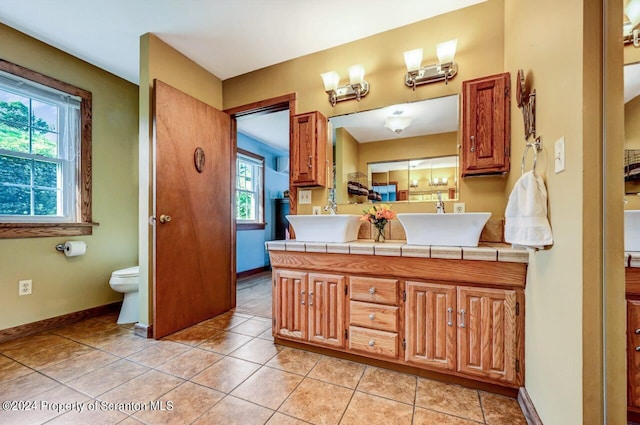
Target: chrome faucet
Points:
(439, 204)
(332, 207)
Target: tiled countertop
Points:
(399, 248)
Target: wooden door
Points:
(487, 333)
(633, 356)
(326, 309)
(431, 324)
(194, 222)
(290, 301)
(486, 125)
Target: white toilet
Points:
(126, 282)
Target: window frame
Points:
(83, 224)
(260, 224)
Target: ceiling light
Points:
(356, 89)
(397, 123)
(445, 69)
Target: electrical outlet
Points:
(304, 197)
(317, 210)
(458, 207)
(24, 287)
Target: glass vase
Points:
(379, 234)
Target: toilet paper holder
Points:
(60, 247)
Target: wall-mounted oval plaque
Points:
(198, 159)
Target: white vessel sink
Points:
(325, 227)
(632, 230)
(443, 229)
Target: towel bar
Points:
(537, 147)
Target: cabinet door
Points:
(326, 309)
(309, 150)
(487, 333)
(633, 356)
(290, 300)
(486, 125)
(430, 324)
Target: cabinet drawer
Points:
(375, 316)
(373, 341)
(374, 290)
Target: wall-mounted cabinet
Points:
(486, 125)
(310, 155)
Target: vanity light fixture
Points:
(630, 31)
(445, 69)
(413, 184)
(439, 181)
(356, 89)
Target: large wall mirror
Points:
(632, 128)
(401, 153)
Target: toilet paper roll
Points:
(74, 248)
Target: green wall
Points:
(64, 285)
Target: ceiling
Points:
(631, 81)
(226, 37)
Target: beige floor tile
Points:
(317, 402)
(125, 345)
(132, 421)
(251, 327)
(233, 411)
(142, 390)
(226, 321)
(429, 417)
(389, 384)
(158, 353)
(110, 376)
(449, 398)
(257, 350)
(183, 405)
(31, 343)
(225, 342)
(226, 374)
(78, 366)
(295, 361)
(190, 363)
(500, 410)
(281, 419)
(10, 369)
(194, 335)
(95, 338)
(268, 335)
(268, 387)
(367, 409)
(54, 354)
(339, 372)
(92, 413)
(46, 406)
(26, 386)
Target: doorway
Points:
(261, 133)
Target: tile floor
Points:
(222, 371)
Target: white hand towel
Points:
(526, 222)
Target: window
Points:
(45, 154)
(249, 191)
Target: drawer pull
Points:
(372, 290)
(638, 331)
(372, 343)
(372, 316)
(449, 316)
(462, 313)
(637, 348)
(310, 297)
(302, 297)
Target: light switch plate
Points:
(304, 197)
(559, 155)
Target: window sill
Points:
(39, 230)
(250, 226)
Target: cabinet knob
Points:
(637, 348)
(372, 290)
(372, 316)
(372, 343)
(638, 331)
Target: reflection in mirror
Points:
(632, 128)
(401, 153)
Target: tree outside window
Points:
(249, 191)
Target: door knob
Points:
(165, 218)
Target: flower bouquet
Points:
(379, 216)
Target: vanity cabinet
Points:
(486, 125)
(309, 307)
(309, 151)
(633, 353)
(458, 317)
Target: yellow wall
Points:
(64, 285)
(479, 53)
(632, 141)
(160, 61)
(346, 160)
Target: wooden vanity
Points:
(461, 315)
(632, 282)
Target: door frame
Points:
(266, 106)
